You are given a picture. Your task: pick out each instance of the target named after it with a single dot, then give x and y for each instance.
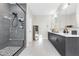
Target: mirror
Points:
(66, 15)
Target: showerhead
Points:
(15, 14)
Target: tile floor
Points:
(40, 48)
(9, 51)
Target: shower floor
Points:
(11, 47)
(9, 51)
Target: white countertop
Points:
(66, 34)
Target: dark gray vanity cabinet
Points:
(58, 42)
(61, 44)
(66, 46)
(52, 39)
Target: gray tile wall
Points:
(4, 30)
(4, 23)
(19, 34)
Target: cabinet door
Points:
(58, 42)
(72, 46)
(52, 37)
(61, 45)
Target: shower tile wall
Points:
(4, 24)
(19, 33)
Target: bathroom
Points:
(12, 27)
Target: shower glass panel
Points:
(12, 28)
(17, 22)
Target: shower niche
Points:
(12, 28)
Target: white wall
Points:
(28, 25)
(44, 24)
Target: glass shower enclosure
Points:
(12, 28)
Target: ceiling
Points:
(69, 10)
(43, 8)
